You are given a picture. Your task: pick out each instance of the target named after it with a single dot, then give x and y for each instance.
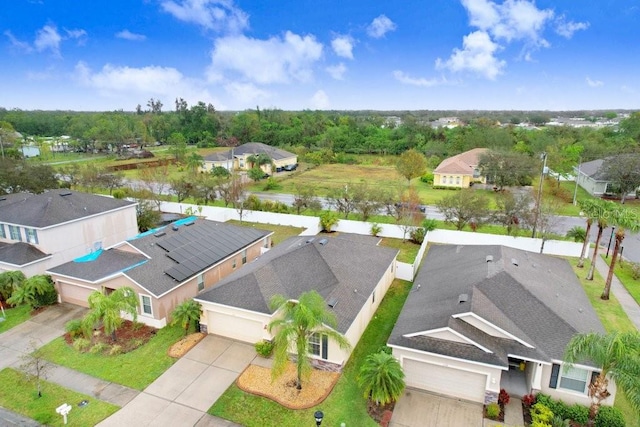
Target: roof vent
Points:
(175, 228)
(489, 258)
(333, 302)
(514, 261)
(323, 241)
(2, 199)
(65, 193)
(463, 298)
(310, 240)
(160, 234)
(186, 224)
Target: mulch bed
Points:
(381, 414)
(180, 348)
(129, 337)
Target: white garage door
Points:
(235, 327)
(444, 380)
(74, 294)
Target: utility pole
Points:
(539, 198)
(575, 190)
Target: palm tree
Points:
(624, 219)
(107, 308)
(588, 207)
(296, 322)
(382, 378)
(618, 355)
(194, 161)
(186, 314)
(601, 213)
(31, 289)
(9, 282)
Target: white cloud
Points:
(593, 83)
(246, 93)
(477, 55)
(217, 15)
(275, 60)
(337, 71)
(343, 46)
(566, 29)
(48, 38)
(320, 101)
(128, 35)
(78, 34)
(404, 78)
(380, 26)
(18, 44)
(483, 14)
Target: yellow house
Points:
(460, 171)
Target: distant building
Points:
(461, 170)
(238, 158)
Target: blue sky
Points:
(298, 54)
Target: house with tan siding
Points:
(350, 272)
(164, 266)
(238, 158)
(40, 231)
(460, 171)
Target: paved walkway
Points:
(629, 305)
(183, 394)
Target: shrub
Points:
(375, 229)
(98, 348)
(81, 344)
(427, 178)
(578, 413)
(635, 270)
(74, 328)
(253, 203)
(271, 184)
(503, 397)
(264, 348)
(48, 297)
(417, 235)
(119, 193)
(557, 421)
(540, 413)
(493, 410)
(528, 400)
(609, 416)
(578, 234)
(429, 224)
(327, 220)
(115, 350)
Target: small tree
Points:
(9, 282)
(295, 323)
(186, 314)
(411, 165)
(512, 210)
(463, 207)
(602, 213)
(625, 219)
(578, 234)
(382, 378)
(107, 309)
(255, 173)
(36, 291)
(305, 198)
(34, 366)
(589, 208)
(327, 220)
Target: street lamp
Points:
(613, 229)
(318, 416)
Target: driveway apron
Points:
(422, 409)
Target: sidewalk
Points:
(629, 305)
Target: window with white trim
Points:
(318, 345)
(234, 264)
(14, 232)
(200, 282)
(32, 235)
(2, 233)
(146, 305)
(244, 257)
(574, 379)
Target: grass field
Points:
(408, 250)
(345, 404)
(14, 316)
(21, 396)
(121, 369)
(623, 273)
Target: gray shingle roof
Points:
(108, 263)
(592, 169)
(342, 269)
(251, 148)
(539, 301)
(54, 207)
(20, 253)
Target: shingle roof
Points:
(54, 207)
(463, 163)
(538, 301)
(341, 269)
(20, 253)
(165, 249)
(592, 169)
(251, 148)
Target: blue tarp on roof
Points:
(89, 257)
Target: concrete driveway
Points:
(423, 409)
(182, 395)
(40, 329)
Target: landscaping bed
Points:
(128, 337)
(180, 348)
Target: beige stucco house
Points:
(165, 266)
(40, 231)
(352, 273)
(238, 158)
(460, 171)
(484, 318)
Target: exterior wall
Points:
(451, 180)
(569, 396)
(591, 186)
(209, 310)
(28, 270)
(493, 373)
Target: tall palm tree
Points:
(624, 219)
(295, 323)
(618, 356)
(382, 378)
(588, 207)
(107, 308)
(602, 213)
(9, 282)
(186, 314)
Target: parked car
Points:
(290, 167)
(411, 206)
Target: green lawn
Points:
(623, 273)
(408, 250)
(21, 396)
(14, 316)
(345, 404)
(136, 369)
(280, 232)
(613, 318)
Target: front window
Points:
(14, 232)
(146, 305)
(2, 233)
(315, 344)
(574, 379)
(200, 282)
(244, 257)
(32, 235)
(457, 180)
